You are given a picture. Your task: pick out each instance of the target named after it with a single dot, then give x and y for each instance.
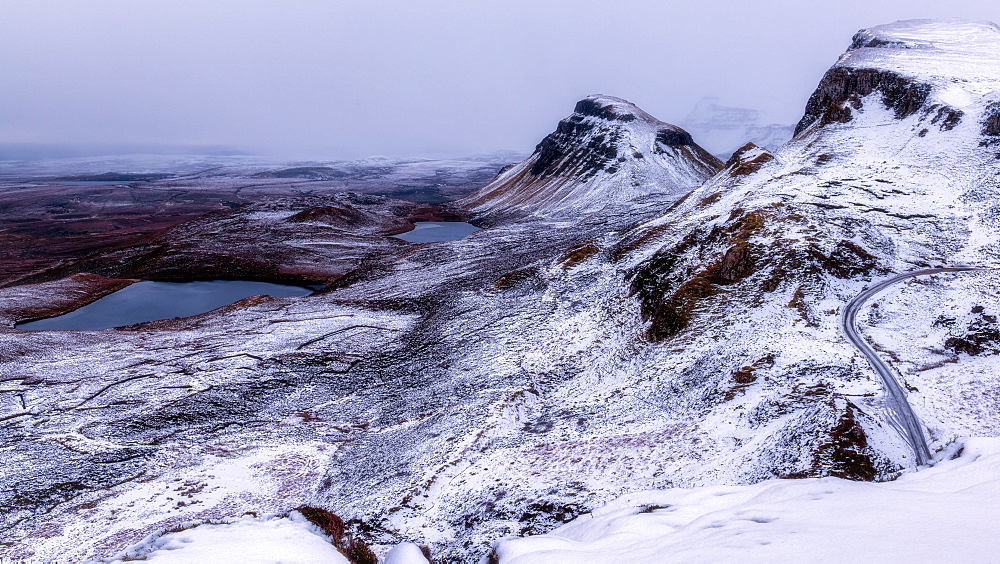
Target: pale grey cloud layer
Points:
(351, 78)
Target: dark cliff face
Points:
(842, 89)
(991, 124)
(591, 107)
(570, 139)
(674, 138)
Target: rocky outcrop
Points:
(980, 336)
(910, 66)
(748, 159)
(991, 124)
(842, 90)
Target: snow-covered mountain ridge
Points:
(602, 338)
(877, 181)
(940, 67)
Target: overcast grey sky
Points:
(342, 78)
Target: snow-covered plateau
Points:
(637, 319)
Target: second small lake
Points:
(436, 231)
(152, 301)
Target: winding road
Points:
(901, 414)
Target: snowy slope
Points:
(289, 539)
(942, 514)
(607, 153)
(893, 169)
(510, 381)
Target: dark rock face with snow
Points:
(841, 91)
(608, 153)
(639, 316)
(575, 149)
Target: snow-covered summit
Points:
(947, 48)
(614, 108)
(607, 152)
(950, 68)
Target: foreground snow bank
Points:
(945, 513)
(256, 541)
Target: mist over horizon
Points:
(339, 80)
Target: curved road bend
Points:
(906, 419)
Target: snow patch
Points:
(955, 96)
(246, 541)
(405, 553)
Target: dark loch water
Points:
(151, 301)
(435, 231)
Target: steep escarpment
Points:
(842, 91)
(606, 154)
(924, 66)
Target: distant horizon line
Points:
(40, 151)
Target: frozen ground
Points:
(946, 513)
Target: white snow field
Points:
(246, 541)
(273, 540)
(945, 513)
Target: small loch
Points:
(152, 301)
(437, 231)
